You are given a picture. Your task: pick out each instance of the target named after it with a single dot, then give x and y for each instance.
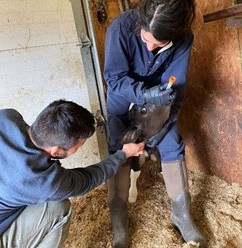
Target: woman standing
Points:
(144, 47)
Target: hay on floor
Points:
(216, 208)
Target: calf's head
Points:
(146, 121)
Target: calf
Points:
(147, 121)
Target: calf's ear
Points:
(131, 135)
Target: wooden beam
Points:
(227, 12)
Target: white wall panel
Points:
(41, 62)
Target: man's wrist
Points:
(122, 154)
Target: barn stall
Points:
(58, 47)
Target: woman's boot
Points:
(174, 173)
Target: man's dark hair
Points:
(61, 124)
(167, 20)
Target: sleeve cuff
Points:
(121, 155)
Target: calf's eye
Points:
(143, 111)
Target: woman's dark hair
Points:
(61, 124)
(167, 19)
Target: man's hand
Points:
(133, 150)
(159, 96)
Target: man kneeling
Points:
(34, 188)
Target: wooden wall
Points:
(210, 120)
(112, 9)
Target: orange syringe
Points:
(172, 80)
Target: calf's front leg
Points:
(118, 188)
(135, 173)
(133, 192)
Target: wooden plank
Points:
(227, 12)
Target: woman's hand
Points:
(159, 96)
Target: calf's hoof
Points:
(120, 222)
(121, 241)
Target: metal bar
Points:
(100, 81)
(126, 3)
(101, 115)
(120, 4)
(228, 12)
(83, 30)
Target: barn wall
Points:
(211, 117)
(210, 121)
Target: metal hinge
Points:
(84, 42)
(100, 121)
